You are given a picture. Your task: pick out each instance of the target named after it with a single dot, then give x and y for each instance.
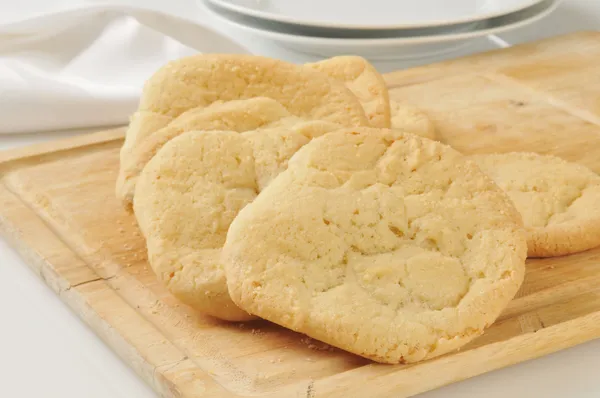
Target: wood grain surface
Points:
(58, 208)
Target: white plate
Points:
(319, 31)
(387, 48)
(373, 14)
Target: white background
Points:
(45, 351)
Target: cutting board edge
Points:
(79, 297)
(60, 145)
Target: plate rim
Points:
(484, 30)
(266, 16)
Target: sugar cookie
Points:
(384, 244)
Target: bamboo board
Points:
(57, 207)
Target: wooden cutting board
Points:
(57, 206)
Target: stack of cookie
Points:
(302, 195)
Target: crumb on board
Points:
(316, 345)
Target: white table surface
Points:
(46, 351)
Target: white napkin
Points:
(85, 66)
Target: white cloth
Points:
(85, 66)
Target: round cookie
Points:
(558, 200)
(238, 115)
(384, 244)
(201, 80)
(193, 188)
(364, 81)
(411, 119)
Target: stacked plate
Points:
(377, 29)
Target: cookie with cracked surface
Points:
(384, 244)
(364, 81)
(200, 80)
(190, 192)
(411, 119)
(558, 200)
(237, 115)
